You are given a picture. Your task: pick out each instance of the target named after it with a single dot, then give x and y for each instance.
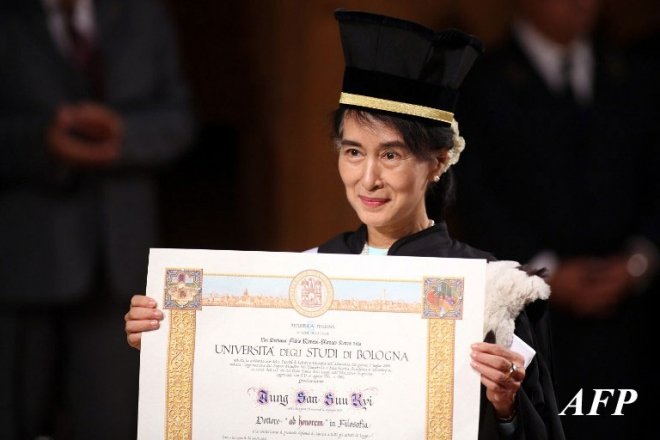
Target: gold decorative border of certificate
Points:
(182, 296)
(344, 305)
(180, 360)
(440, 379)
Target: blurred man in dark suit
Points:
(91, 102)
(563, 155)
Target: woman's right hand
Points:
(143, 316)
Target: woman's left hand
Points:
(502, 372)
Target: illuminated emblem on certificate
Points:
(311, 293)
(443, 298)
(183, 289)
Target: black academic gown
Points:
(537, 417)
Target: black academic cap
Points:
(402, 67)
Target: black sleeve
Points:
(537, 413)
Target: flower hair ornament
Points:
(458, 145)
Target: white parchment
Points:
(304, 363)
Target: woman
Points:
(396, 139)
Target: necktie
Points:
(84, 54)
(567, 91)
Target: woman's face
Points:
(385, 184)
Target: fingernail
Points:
(473, 365)
(473, 354)
(157, 314)
(152, 303)
(154, 324)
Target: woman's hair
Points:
(423, 139)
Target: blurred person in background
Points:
(562, 162)
(91, 103)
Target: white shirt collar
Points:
(83, 18)
(547, 57)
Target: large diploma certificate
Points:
(260, 346)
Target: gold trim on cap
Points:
(396, 107)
